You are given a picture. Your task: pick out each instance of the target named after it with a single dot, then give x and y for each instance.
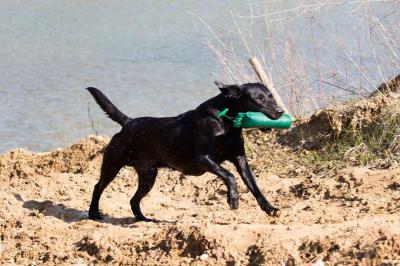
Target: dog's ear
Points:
(229, 91)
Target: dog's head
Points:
(251, 97)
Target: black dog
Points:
(193, 143)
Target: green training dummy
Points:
(257, 120)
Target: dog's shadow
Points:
(69, 215)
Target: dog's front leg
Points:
(208, 164)
(245, 172)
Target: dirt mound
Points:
(74, 159)
(356, 133)
(362, 117)
(334, 123)
(391, 86)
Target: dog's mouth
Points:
(273, 117)
(270, 115)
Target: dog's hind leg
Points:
(147, 178)
(112, 163)
(108, 173)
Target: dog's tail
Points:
(108, 107)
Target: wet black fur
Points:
(193, 143)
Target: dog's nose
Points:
(279, 112)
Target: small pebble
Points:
(318, 263)
(204, 257)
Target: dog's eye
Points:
(260, 98)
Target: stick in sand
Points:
(267, 82)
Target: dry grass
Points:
(319, 54)
(311, 60)
(362, 132)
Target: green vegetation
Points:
(364, 144)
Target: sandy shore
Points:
(344, 216)
(351, 216)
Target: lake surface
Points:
(148, 57)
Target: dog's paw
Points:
(272, 211)
(233, 201)
(145, 219)
(275, 212)
(95, 216)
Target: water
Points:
(149, 57)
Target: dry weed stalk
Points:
(312, 62)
